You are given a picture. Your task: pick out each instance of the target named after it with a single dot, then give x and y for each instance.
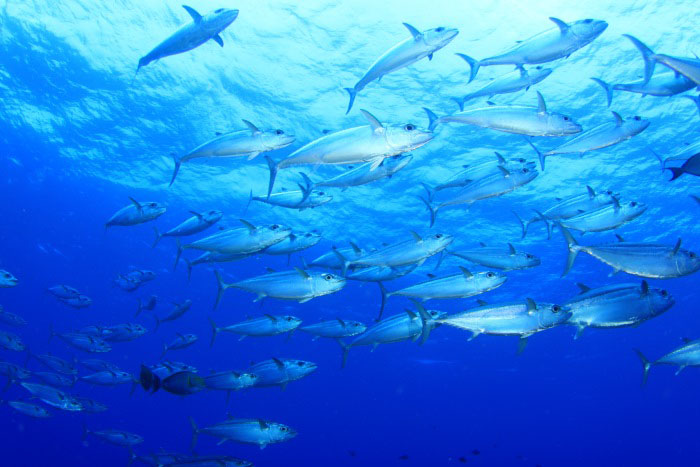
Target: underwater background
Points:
(79, 134)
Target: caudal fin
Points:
(353, 94)
(460, 101)
(658, 157)
(178, 162)
(139, 309)
(540, 156)
(646, 365)
(179, 252)
(676, 171)
(158, 236)
(572, 246)
(473, 65)
(273, 174)
(433, 119)
(189, 269)
(214, 332)
(346, 350)
(344, 262)
(695, 99)
(647, 53)
(385, 296)
(433, 210)
(523, 224)
(222, 286)
(195, 432)
(426, 321)
(607, 88)
(546, 221)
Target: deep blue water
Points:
(77, 138)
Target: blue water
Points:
(77, 138)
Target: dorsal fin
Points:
(269, 269)
(645, 287)
(356, 248)
(136, 203)
(511, 249)
(541, 105)
(263, 424)
(278, 363)
(342, 323)
(504, 171)
(196, 17)
(271, 318)
(196, 214)
(373, 122)
(618, 119)
(531, 305)
(501, 159)
(467, 273)
(251, 127)
(563, 27)
(584, 288)
(411, 314)
(482, 244)
(616, 204)
(619, 238)
(591, 192)
(430, 275)
(414, 32)
(250, 226)
(482, 302)
(416, 236)
(677, 247)
(303, 273)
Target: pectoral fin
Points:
(217, 38)
(196, 17)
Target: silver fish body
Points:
(482, 170)
(29, 409)
(463, 285)
(249, 239)
(404, 253)
(244, 430)
(511, 82)
(279, 372)
(230, 380)
(364, 174)
(335, 328)
(499, 258)
(199, 222)
(136, 213)
(267, 325)
(294, 243)
(605, 218)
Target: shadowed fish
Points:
(331, 259)
(686, 355)
(481, 170)
(511, 82)
(110, 377)
(267, 325)
(691, 167)
(63, 291)
(118, 437)
(12, 342)
(177, 312)
(11, 318)
(462, 285)
(148, 306)
(29, 409)
(83, 342)
(55, 363)
(499, 258)
(55, 379)
(230, 380)
(53, 397)
(294, 243)
(364, 174)
(182, 341)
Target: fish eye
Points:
(321, 193)
(307, 235)
(152, 204)
(664, 293)
(556, 308)
(289, 318)
(328, 277)
(409, 127)
(526, 170)
(691, 254)
(279, 132)
(490, 274)
(587, 21)
(274, 227)
(300, 363)
(438, 235)
(566, 119)
(538, 67)
(633, 203)
(219, 10)
(284, 428)
(529, 256)
(440, 29)
(638, 118)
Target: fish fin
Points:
(263, 446)
(541, 156)
(696, 198)
(676, 172)
(584, 288)
(686, 340)
(607, 88)
(474, 334)
(619, 238)
(511, 249)
(460, 102)
(677, 247)
(158, 237)
(136, 203)
(433, 119)
(217, 38)
(646, 366)
(466, 272)
(196, 17)
(501, 159)
(579, 331)
(658, 157)
(591, 192)
(572, 246)
(645, 288)
(273, 174)
(353, 94)
(303, 273)
(430, 56)
(411, 314)
(374, 123)
(346, 350)
(178, 163)
(416, 237)
(376, 162)
(474, 65)
(426, 325)
(504, 171)
(647, 54)
(278, 363)
(531, 306)
(522, 343)
(563, 27)
(433, 210)
(252, 155)
(541, 105)
(222, 286)
(385, 297)
(618, 119)
(345, 263)
(304, 300)
(616, 205)
(214, 332)
(251, 228)
(523, 225)
(414, 32)
(355, 248)
(680, 368)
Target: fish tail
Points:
(658, 156)
(676, 171)
(158, 236)
(195, 432)
(433, 119)
(696, 198)
(189, 269)
(178, 254)
(346, 350)
(459, 101)
(695, 99)
(647, 54)
(544, 219)
(433, 210)
(540, 156)
(572, 246)
(385, 297)
(305, 189)
(273, 174)
(345, 263)
(353, 94)
(607, 88)
(425, 320)
(646, 366)
(250, 200)
(214, 332)
(523, 224)
(429, 191)
(132, 457)
(222, 286)
(139, 309)
(165, 350)
(474, 65)
(178, 162)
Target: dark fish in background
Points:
(63, 291)
(11, 318)
(690, 167)
(149, 305)
(182, 383)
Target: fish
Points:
(167, 368)
(63, 291)
(10, 318)
(295, 243)
(690, 167)
(547, 46)
(569, 207)
(95, 364)
(688, 67)
(335, 328)
(396, 328)
(124, 332)
(616, 305)
(380, 274)
(598, 137)
(280, 371)
(108, 377)
(650, 260)
(296, 199)
(410, 50)
(686, 355)
(363, 174)
(203, 461)
(481, 170)
(54, 379)
(297, 284)
(29, 409)
(55, 363)
(14, 373)
(415, 250)
(211, 257)
(462, 285)
(230, 380)
(7, 280)
(192, 35)
(511, 82)
(247, 143)
(90, 406)
(369, 143)
(245, 430)
(199, 222)
(141, 275)
(81, 301)
(685, 153)
(127, 284)
(497, 184)
(12, 342)
(177, 312)
(148, 306)
(181, 383)
(494, 257)
(516, 119)
(182, 341)
(118, 437)
(53, 397)
(136, 213)
(662, 84)
(266, 325)
(83, 342)
(521, 319)
(605, 218)
(331, 259)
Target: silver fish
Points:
(688, 67)
(95, 364)
(267, 325)
(111, 377)
(363, 174)
(511, 82)
(80, 301)
(244, 430)
(230, 380)
(55, 379)
(11, 341)
(335, 328)
(462, 285)
(380, 274)
(481, 170)
(136, 213)
(124, 332)
(296, 284)
(405, 53)
(7, 280)
(686, 355)
(211, 257)
(549, 45)
(177, 312)
(53, 397)
(496, 184)
(13, 372)
(11, 318)
(499, 258)
(194, 34)
(83, 342)
(56, 363)
(149, 305)
(605, 218)
(640, 259)
(370, 143)
(296, 199)
(296, 242)
(89, 405)
(182, 341)
(331, 260)
(598, 137)
(246, 240)
(63, 291)
(245, 143)
(199, 222)
(280, 371)
(617, 305)
(29, 409)
(118, 437)
(691, 167)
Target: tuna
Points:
(280, 372)
(136, 213)
(267, 325)
(199, 222)
(511, 82)
(495, 257)
(244, 430)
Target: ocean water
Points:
(79, 134)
